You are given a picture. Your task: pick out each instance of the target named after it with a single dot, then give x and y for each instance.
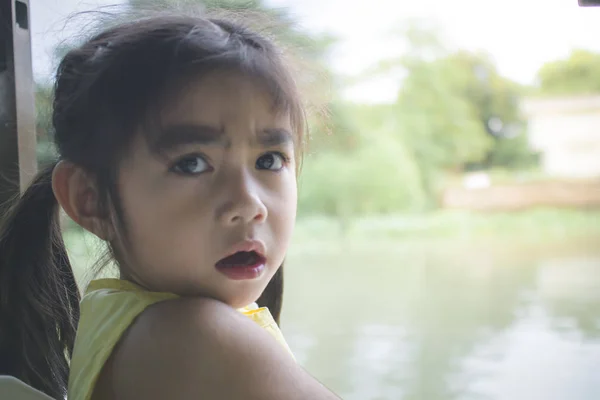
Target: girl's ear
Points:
(77, 193)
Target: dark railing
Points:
(17, 105)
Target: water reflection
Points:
(570, 292)
(446, 323)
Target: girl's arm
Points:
(204, 349)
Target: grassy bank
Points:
(545, 224)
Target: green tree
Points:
(43, 119)
(579, 74)
(496, 100)
(454, 110)
(43, 107)
(437, 122)
(378, 177)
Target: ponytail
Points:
(39, 299)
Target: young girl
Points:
(179, 142)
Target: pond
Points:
(381, 320)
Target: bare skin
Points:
(172, 353)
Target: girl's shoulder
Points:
(197, 348)
(192, 348)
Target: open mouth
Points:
(241, 259)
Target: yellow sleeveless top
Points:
(108, 308)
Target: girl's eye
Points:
(191, 165)
(271, 161)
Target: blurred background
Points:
(448, 236)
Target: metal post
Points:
(17, 102)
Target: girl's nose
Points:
(242, 203)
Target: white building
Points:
(566, 132)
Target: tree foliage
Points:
(579, 74)
(455, 109)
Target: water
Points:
(380, 320)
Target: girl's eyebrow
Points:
(179, 135)
(274, 137)
(175, 136)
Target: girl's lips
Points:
(248, 264)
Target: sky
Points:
(520, 35)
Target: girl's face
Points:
(226, 182)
